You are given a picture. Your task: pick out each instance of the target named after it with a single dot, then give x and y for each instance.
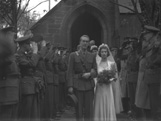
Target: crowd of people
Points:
(32, 77)
(39, 80)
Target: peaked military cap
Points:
(25, 38)
(126, 42)
(37, 38)
(7, 29)
(151, 28)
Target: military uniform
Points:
(152, 79)
(55, 63)
(9, 80)
(132, 77)
(40, 73)
(84, 88)
(9, 89)
(62, 80)
(49, 95)
(30, 105)
(123, 76)
(147, 93)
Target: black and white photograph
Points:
(80, 60)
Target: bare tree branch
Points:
(135, 5)
(135, 10)
(19, 7)
(123, 6)
(5, 19)
(37, 5)
(9, 17)
(23, 10)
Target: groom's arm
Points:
(94, 68)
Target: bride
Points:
(104, 108)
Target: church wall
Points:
(53, 25)
(129, 26)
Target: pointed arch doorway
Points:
(85, 24)
(84, 19)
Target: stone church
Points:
(69, 19)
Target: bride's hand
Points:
(86, 75)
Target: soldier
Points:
(147, 94)
(28, 59)
(9, 76)
(62, 65)
(80, 74)
(41, 73)
(132, 74)
(55, 63)
(49, 95)
(123, 76)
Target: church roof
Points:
(126, 3)
(47, 14)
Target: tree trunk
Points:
(14, 15)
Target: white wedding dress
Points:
(104, 108)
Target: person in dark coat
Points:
(41, 73)
(28, 58)
(80, 74)
(49, 95)
(62, 65)
(57, 82)
(132, 75)
(125, 49)
(9, 76)
(148, 96)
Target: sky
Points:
(44, 6)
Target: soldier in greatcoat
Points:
(147, 96)
(9, 76)
(28, 58)
(80, 74)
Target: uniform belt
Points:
(10, 77)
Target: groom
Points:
(80, 74)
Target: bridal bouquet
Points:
(106, 76)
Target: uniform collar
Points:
(83, 52)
